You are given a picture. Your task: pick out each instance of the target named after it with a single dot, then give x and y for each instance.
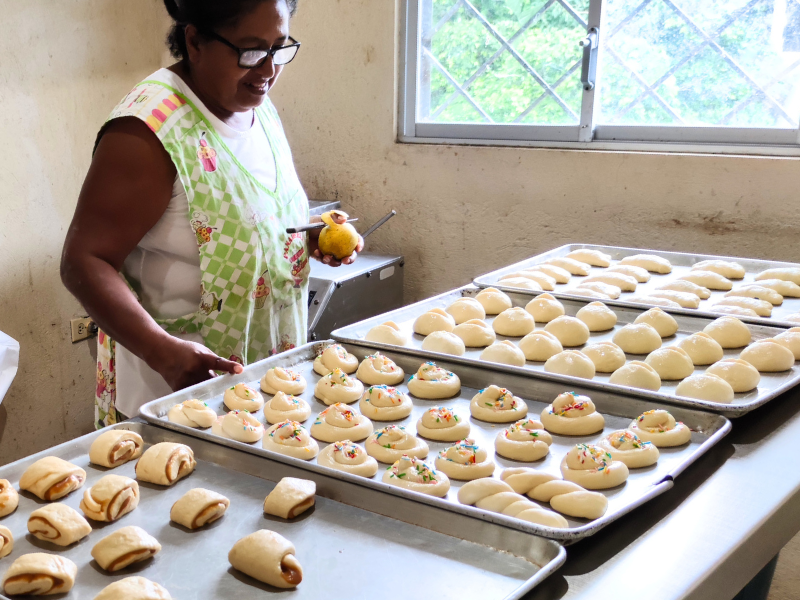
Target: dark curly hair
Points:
(206, 15)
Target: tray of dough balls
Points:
(716, 363)
(138, 511)
(756, 291)
(466, 438)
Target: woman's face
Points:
(215, 67)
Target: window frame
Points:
(584, 136)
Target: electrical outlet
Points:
(82, 328)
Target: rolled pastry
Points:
(665, 324)
(505, 353)
(740, 374)
(393, 441)
(387, 333)
(623, 282)
(268, 557)
(572, 414)
(9, 498)
(378, 369)
(708, 279)
(243, 397)
(435, 319)
(199, 507)
(238, 425)
(6, 541)
(348, 457)
(593, 468)
(335, 357)
(571, 362)
(570, 331)
(110, 498)
(738, 311)
(597, 316)
(729, 332)
(51, 478)
(125, 547)
(115, 447)
(564, 496)
(497, 405)
(133, 588)
(705, 386)
(653, 301)
(165, 463)
(39, 574)
(626, 447)
(761, 307)
(636, 374)
(651, 262)
(594, 258)
(638, 338)
(790, 339)
(671, 363)
(522, 283)
(290, 438)
(465, 309)
(557, 273)
(638, 273)
(514, 322)
(660, 427)
(784, 288)
(434, 383)
(498, 497)
(475, 333)
(783, 273)
(282, 407)
(768, 356)
(290, 498)
(609, 289)
(726, 268)
(413, 474)
(526, 441)
(444, 342)
(340, 422)
(757, 291)
(684, 299)
(702, 348)
(336, 386)
(544, 281)
(59, 524)
(681, 285)
(192, 413)
(540, 345)
(493, 300)
(442, 425)
(283, 380)
(465, 461)
(606, 356)
(544, 308)
(574, 267)
(385, 403)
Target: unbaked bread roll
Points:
(708, 279)
(783, 273)
(726, 268)
(729, 332)
(606, 356)
(768, 356)
(665, 324)
(526, 441)
(626, 283)
(165, 463)
(39, 574)
(349, 457)
(684, 299)
(540, 345)
(393, 441)
(651, 262)
(133, 588)
(243, 397)
(612, 291)
(475, 333)
(385, 403)
(413, 474)
(238, 425)
(115, 447)
(740, 374)
(784, 288)
(268, 557)
(705, 386)
(9, 498)
(597, 316)
(738, 311)
(557, 273)
(660, 427)
(336, 386)
(652, 301)
(593, 468)
(761, 307)
(638, 273)
(387, 333)
(757, 291)
(636, 374)
(790, 339)
(59, 524)
(377, 369)
(6, 541)
(497, 405)
(110, 498)
(335, 357)
(514, 322)
(638, 338)
(544, 281)
(571, 362)
(572, 414)
(671, 363)
(585, 292)
(574, 267)
(564, 496)
(522, 283)
(283, 407)
(702, 348)
(192, 413)
(434, 383)
(505, 353)
(594, 258)
(570, 331)
(442, 425)
(290, 438)
(290, 498)
(626, 447)
(544, 308)
(340, 422)
(493, 300)
(444, 342)
(199, 507)
(125, 547)
(435, 319)
(792, 318)
(681, 285)
(283, 380)
(465, 461)
(51, 478)
(465, 309)
(499, 497)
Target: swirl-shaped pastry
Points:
(526, 441)
(757, 291)
(115, 447)
(593, 258)
(413, 474)
(705, 386)
(626, 447)
(442, 425)
(348, 457)
(514, 322)
(570, 331)
(340, 422)
(505, 353)
(199, 507)
(740, 374)
(465, 461)
(39, 574)
(51, 478)
(9, 498)
(493, 300)
(610, 290)
(125, 547)
(466, 309)
(660, 427)
(683, 299)
(243, 397)
(593, 468)
(268, 557)
(681, 285)
(638, 338)
(557, 273)
(338, 387)
(538, 346)
(544, 308)
(6, 541)
(238, 425)
(768, 356)
(636, 374)
(434, 383)
(571, 362)
(436, 319)
(651, 262)
(58, 523)
(192, 413)
(574, 267)
(282, 408)
(444, 342)
(566, 497)
(497, 405)
(335, 357)
(387, 333)
(378, 369)
(702, 348)
(292, 439)
(671, 363)
(290, 498)
(283, 380)
(638, 273)
(111, 498)
(475, 333)
(392, 442)
(498, 497)
(572, 414)
(618, 280)
(606, 356)
(385, 403)
(665, 324)
(708, 279)
(165, 463)
(790, 339)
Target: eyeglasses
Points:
(252, 58)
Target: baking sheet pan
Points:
(344, 543)
(619, 411)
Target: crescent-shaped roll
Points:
(729, 332)
(497, 405)
(570, 331)
(638, 273)
(638, 338)
(593, 258)
(726, 268)
(622, 282)
(199, 507)
(497, 496)
(378, 369)
(290, 438)
(444, 342)
(585, 292)
(593, 468)
(784, 288)
(544, 308)
(192, 413)
(571, 362)
(59, 524)
(133, 588)
(413, 474)
(705, 386)
(165, 463)
(387, 333)
(335, 357)
(393, 441)
(757, 291)
(9, 498)
(505, 353)
(465, 460)
(243, 397)
(526, 441)
(238, 425)
(761, 307)
(268, 557)
(475, 333)
(740, 374)
(606, 356)
(702, 348)
(665, 324)
(597, 316)
(435, 319)
(340, 422)
(538, 346)
(636, 374)
(431, 382)
(337, 386)
(6, 541)
(279, 379)
(385, 403)
(572, 414)
(51, 478)
(493, 300)
(442, 425)
(514, 322)
(564, 496)
(708, 279)
(608, 289)
(39, 574)
(733, 310)
(521, 283)
(574, 267)
(110, 498)
(653, 301)
(651, 262)
(283, 407)
(783, 273)
(768, 356)
(290, 498)
(125, 547)
(660, 427)
(465, 309)
(687, 287)
(349, 457)
(626, 447)
(544, 281)
(115, 447)
(557, 273)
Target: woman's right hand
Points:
(182, 363)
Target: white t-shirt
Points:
(165, 266)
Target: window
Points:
(705, 74)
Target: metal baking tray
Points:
(619, 411)
(681, 265)
(771, 385)
(350, 527)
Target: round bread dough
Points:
(768, 356)
(612, 291)
(636, 374)
(564, 496)
(9, 498)
(651, 262)
(729, 332)
(378, 369)
(783, 273)
(497, 405)
(572, 414)
(652, 301)
(283, 407)
(283, 380)
(522, 283)
(574, 267)
(625, 283)
(475, 333)
(638, 273)
(702, 348)
(514, 322)
(348, 457)
(335, 357)
(338, 387)
(544, 308)
(570, 331)
(733, 310)
(465, 461)
(340, 422)
(660, 427)
(493, 300)
(466, 309)
(597, 316)
(757, 291)
(393, 441)
(434, 383)
(665, 324)
(626, 447)
(784, 288)
(525, 441)
(638, 338)
(192, 413)
(681, 285)
(587, 293)
(671, 363)
(726, 268)
(606, 356)
(442, 425)
(290, 438)
(238, 425)
(790, 339)
(504, 353)
(705, 386)
(435, 319)
(571, 362)
(593, 468)
(411, 473)
(385, 403)
(540, 345)
(708, 279)
(444, 342)
(387, 333)
(594, 258)
(761, 307)
(557, 273)
(684, 299)
(544, 281)
(243, 397)
(740, 374)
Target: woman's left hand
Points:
(328, 259)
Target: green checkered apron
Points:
(254, 275)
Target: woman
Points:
(188, 195)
